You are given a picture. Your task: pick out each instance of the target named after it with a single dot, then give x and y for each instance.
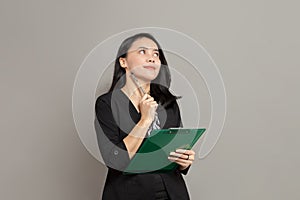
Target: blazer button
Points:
(116, 152)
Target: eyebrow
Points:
(147, 48)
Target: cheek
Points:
(134, 62)
(158, 61)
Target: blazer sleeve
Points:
(177, 113)
(110, 142)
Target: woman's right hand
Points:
(147, 108)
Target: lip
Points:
(151, 67)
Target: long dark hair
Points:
(159, 87)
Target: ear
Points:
(122, 62)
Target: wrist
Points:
(144, 123)
(181, 168)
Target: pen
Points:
(137, 83)
(155, 123)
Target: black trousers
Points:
(160, 189)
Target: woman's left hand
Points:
(183, 157)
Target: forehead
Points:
(143, 42)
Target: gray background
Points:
(255, 44)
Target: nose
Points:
(150, 59)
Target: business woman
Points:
(137, 102)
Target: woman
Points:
(138, 101)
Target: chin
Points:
(147, 77)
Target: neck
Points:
(131, 88)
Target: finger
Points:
(185, 157)
(144, 97)
(150, 104)
(179, 155)
(180, 161)
(151, 99)
(147, 96)
(185, 151)
(185, 165)
(182, 156)
(176, 154)
(154, 104)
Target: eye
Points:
(142, 51)
(156, 54)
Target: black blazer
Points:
(115, 118)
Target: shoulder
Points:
(109, 98)
(104, 98)
(103, 106)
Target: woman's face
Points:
(142, 59)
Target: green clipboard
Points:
(153, 154)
